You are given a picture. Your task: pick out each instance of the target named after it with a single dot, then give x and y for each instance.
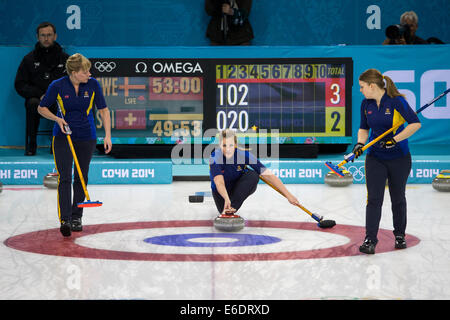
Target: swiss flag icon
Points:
(130, 119)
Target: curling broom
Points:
(349, 157)
(321, 223)
(88, 203)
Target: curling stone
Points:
(334, 180)
(442, 181)
(1, 187)
(195, 198)
(229, 222)
(51, 180)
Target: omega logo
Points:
(141, 67)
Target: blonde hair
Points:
(77, 62)
(230, 133)
(227, 133)
(374, 76)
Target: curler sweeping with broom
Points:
(77, 95)
(231, 181)
(389, 159)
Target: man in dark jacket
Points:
(229, 24)
(410, 22)
(35, 73)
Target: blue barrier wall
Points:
(183, 22)
(421, 73)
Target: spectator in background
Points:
(35, 73)
(411, 20)
(229, 23)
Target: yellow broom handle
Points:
(276, 189)
(381, 136)
(80, 174)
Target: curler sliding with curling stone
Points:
(349, 157)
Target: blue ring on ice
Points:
(236, 240)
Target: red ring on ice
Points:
(51, 242)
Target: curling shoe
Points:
(76, 225)
(368, 246)
(65, 228)
(400, 242)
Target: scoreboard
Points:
(171, 101)
(297, 99)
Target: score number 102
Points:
(232, 95)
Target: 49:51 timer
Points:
(167, 128)
(177, 128)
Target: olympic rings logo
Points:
(356, 172)
(105, 66)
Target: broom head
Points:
(335, 169)
(90, 204)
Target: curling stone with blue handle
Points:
(334, 180)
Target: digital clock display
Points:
(165, 108)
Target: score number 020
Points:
(236, 95)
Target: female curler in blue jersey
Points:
(74, 133)
(388, 159)
(232, 180)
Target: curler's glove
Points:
(357, 150)
(388, 143)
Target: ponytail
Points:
(391, 89)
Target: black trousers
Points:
(396, 172)
(32, 122)
(68, 209)
(242, 189)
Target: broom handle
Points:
(403, 121)
(398, 125)
(80, 174)
(315, 217)
(381, 136)
(77, 164)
